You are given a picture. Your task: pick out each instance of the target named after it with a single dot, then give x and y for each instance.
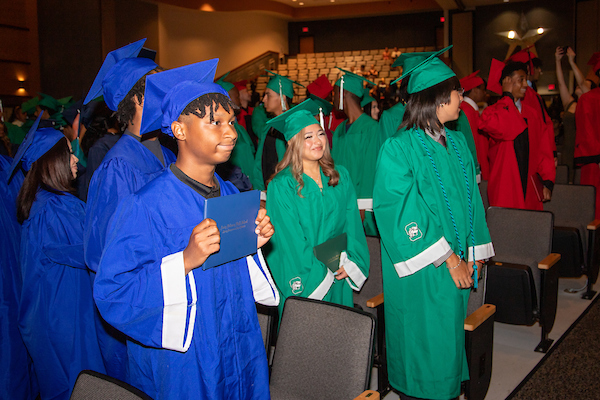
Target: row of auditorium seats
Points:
(305, 68)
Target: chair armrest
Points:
(375, 301)
(479, 316)
(368, 395)
(549, 261)
(594, 225)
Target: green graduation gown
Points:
(424, 311)
(243, 152)
(301, 223)
(390, 122)
(356, 149)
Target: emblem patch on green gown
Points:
(296, 285)
(413, 231)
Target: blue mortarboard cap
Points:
(122, 77)
(129, 51)
(36, 144)
(168, 93)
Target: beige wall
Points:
(187, 36)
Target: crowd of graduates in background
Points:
(103, 208)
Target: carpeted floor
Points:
(571, 369)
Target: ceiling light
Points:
(511, 34)
(540, 30)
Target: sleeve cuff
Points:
(443, 258)
(263, 286)
(482, 252)
(356, 278)
(423, 259)
(176, 303)
(365, 204)
(323, 287)
(263, 195)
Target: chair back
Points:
(374, 283)
(91, 385)
(562, 174)
(573, 206)
(324, 351)
(521, 237)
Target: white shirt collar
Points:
(519, 105)
(470, 101)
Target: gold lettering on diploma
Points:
(233, 227)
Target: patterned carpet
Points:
(571, 369)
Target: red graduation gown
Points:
(535, 101)
(503, 123)
(587, 140)
(481, 140)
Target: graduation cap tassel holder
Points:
(283, 105)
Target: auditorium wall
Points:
(188, 36)
(406, 30)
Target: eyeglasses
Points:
(461, 91)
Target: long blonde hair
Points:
(293, 159)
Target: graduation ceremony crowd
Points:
(103, 213)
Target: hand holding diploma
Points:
(264, 228)
(204, 241)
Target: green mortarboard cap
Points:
(352, 83)
(59, 119)
(49, 102)
(15, 133)
(322, 103)
(66, 101)
(281, 84)
(291, 122)
(28, 107)
(409, 60)
(224, 84)
(366, 99)
(427, 73)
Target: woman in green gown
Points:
(432, 224)
(311, 201)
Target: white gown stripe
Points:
(356, 278)
(482, 252)
(263, 286)
(423, 259)
(176, 303)
(323, 287)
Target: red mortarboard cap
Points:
(525, 56)
(471, 81)
(240, 85)
(594, 58)
(597, 66)
(321, 87)
(495, 75)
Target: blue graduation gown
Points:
(194, 336)
(18, 381)
(126, 168)
(56, 312)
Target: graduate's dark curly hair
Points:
(212, 101)
(511, 68)
(421, 107)
(126, 109)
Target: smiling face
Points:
(519, 84)
(207, 142)
(315, 141)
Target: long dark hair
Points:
(421, 107)
(51, 172)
